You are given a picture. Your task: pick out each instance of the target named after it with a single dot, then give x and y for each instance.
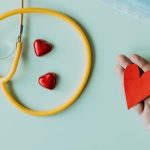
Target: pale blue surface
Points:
(99, 120)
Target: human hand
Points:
(143, 108)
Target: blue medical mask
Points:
(137, 8)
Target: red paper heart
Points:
(42, 47)
(48, 81)
(136, 85)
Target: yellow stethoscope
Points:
(4, 80)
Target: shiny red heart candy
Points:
(48, 80)
(42, 47)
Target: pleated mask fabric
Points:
(137, 8)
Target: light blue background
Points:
(99, 119)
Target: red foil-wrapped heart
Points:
(48, 80)
(42, 47)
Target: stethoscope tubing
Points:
(4, 80)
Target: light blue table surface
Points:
(99, 120)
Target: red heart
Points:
(48, 81)
(42, 47)
(136, 85)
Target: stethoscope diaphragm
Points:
(7, 52)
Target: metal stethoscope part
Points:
(10, 53)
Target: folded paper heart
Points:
(136, 85)
(42, 47)
(48, 81)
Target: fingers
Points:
(119, 70)
(139, 108)
(145, 66)
(145, 115)
(123, 61)
(141, 62)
